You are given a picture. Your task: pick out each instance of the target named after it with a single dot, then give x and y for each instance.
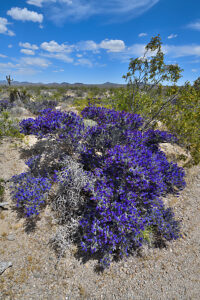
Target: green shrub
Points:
(9, 127)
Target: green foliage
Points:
(145, 75)
(183, 118)
(80, 104)
(196, 84)
(9, 127)
(147, 233)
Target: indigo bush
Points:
(30, 192)
(133, 175)
(111, 189)
(67, 125)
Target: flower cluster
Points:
(105, 116)
(66, 124)
(30, 192)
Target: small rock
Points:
(36, 275)
(4, 265)
(3, 204)
(11, 237)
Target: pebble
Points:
(11, 237)
(37, 275)
(4, 265)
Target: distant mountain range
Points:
(106, 84)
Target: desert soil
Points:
(167, 273)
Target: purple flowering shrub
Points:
(133, 175)
(105, 116)
(112, 189)
(66, 125)
(30, 192)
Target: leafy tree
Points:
(196, 84)
(145, 77)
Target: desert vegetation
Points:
(101, 168)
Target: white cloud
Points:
(59, 56)
(27, 51)
(142, 34)
(53, 46)
(180, 51)
(35, 61)
(112, 45)
(10, 46)
(84, 62)
(16, 69)
(194, 70)
(3, 56)
(136, 49)
(35, 2)
(39, 3)
(87, 46)
(75, 10)
(28, 46)
(3, 27)
(79, 55)
(109, 45)
(172, 36)
(7, 65)
(195, 25)
(23, 14)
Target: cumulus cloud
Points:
(27, 51)
(23, 14)
(87, 46)
(74, 10)
(28, 46)
(194, 25)
(53, 46)
(112, 45)
(142, 34)
(172, 36)
(10, 46)
(3, 27)
(109, 45)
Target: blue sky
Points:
(92, 41)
